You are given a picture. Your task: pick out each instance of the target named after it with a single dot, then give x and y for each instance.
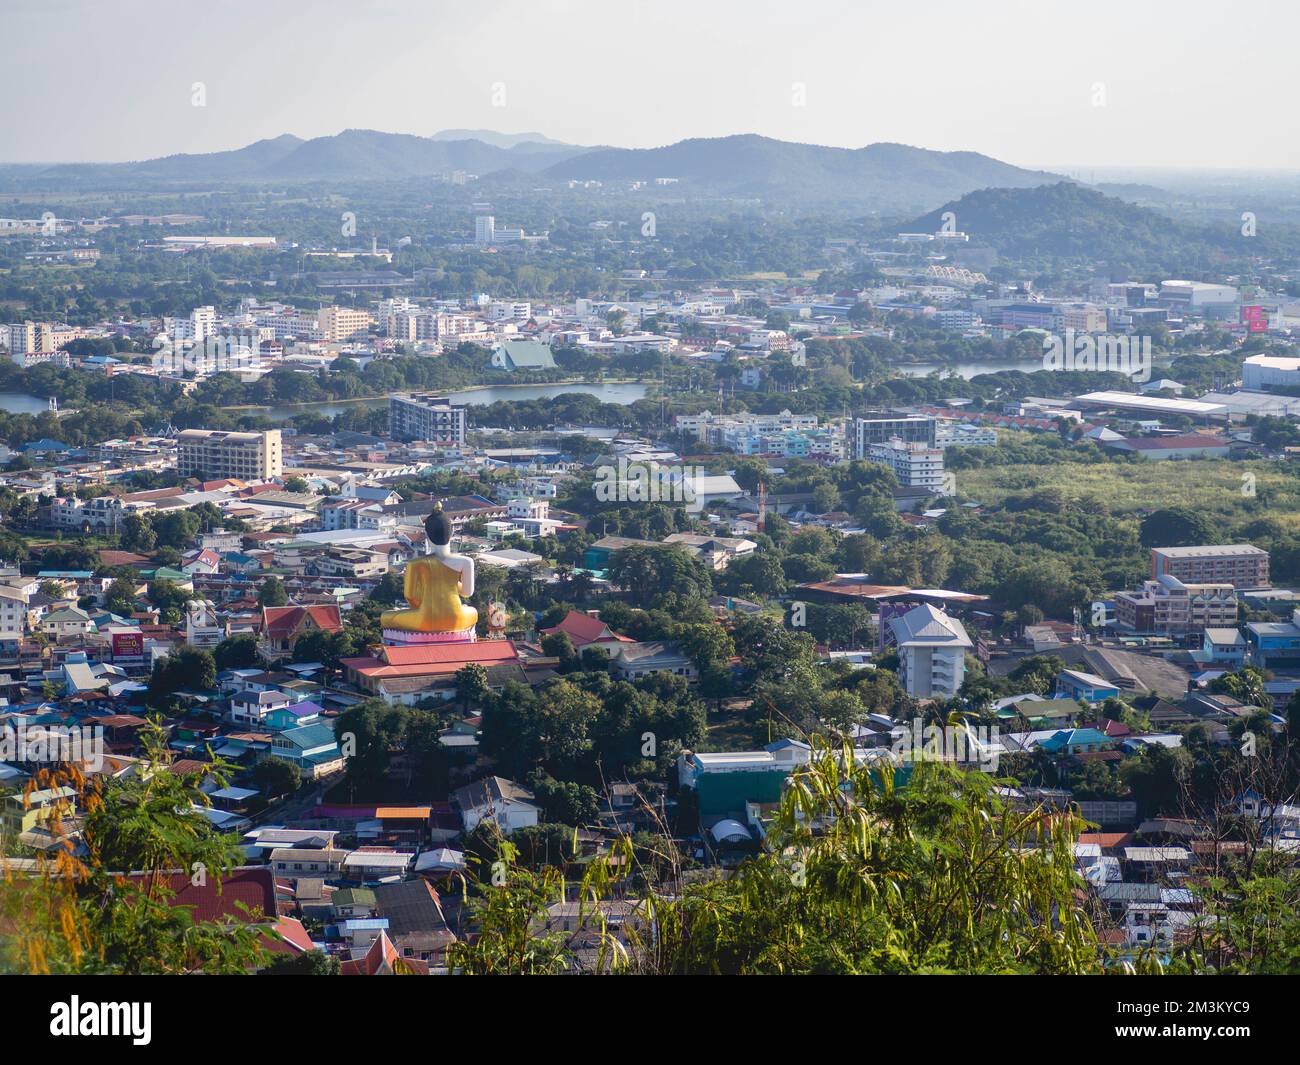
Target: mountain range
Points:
(883, 177)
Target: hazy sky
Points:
(1193, 83)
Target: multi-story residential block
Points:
(931, 652)
(915, 465)
(426, 416)
(284, 322)
(210, 454)
(13, 609)
(509, 310)
(881, 428)
(337, 324)
(710, 427)
(1167, 606)
(31, 343)
(103, 514)
(1241, 565)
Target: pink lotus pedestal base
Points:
(400, 636)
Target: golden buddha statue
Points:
(435, 584)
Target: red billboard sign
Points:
(128, 644)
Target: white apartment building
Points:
(706, 422)
(285, 323)
(916, 465)
(931, 651)
(426, 416)
(13, 609)
(212, 455)
(509, 311)
(484, 229)
(198, 326)
(103, 514)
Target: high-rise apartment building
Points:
(881, 428)
(425, 416)
(31, 343)
(211, 455)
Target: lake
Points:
(624, 394)
(967, 370)
(18, 403)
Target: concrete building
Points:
(1241, 565)
(1167, 606)
(1267, 371)
(881, 428)
(337, 324)
(31, 343)
(932, 652)
(1196, 295)
(916, 465)
(426, 416)
(211, 455)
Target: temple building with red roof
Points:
(282, 626)
(416, 671)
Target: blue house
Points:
(1086, 687)
(312, 748)
(1077, 741)
(293, 715)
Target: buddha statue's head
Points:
(438, 527)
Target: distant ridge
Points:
(498, 140)
(887, 178)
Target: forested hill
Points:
(1065, 221)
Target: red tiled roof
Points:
(293, 937)
(1107, 840)
(253, 886)
(583, 629)
(431, 659)
(283, 620)
(381, 952)
(484, 651)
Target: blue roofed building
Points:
(1085, 687)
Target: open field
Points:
(1218, 487)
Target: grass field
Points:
(1218, 487)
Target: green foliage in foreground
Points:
(859, 876)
